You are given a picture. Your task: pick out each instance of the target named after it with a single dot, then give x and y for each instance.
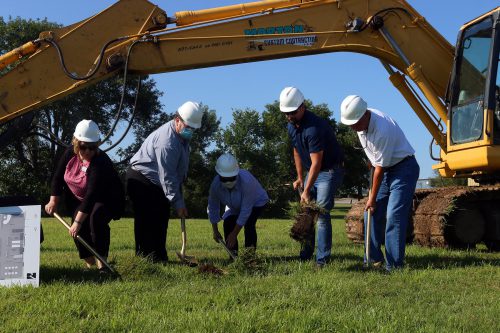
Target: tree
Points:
(356, 163)
(201, 164)
(27, 164)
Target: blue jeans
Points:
(323, 192)
(392, 213)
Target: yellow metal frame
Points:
(256, 31)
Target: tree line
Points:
(257, 138)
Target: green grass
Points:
(439, 291)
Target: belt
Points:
(333, 167)
(403, 160)
(137, 175)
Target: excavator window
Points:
(467, 110)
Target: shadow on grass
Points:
(334, 257)
(279, 259)
(444, 262)
(435, 261)
(49, 275)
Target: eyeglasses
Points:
(227, 179)
(84, 147)
(291, 113)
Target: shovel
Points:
(368, 224)
(188, 260)
(367, 242)
(84, 243)
(231, 254)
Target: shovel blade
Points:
(188, 260)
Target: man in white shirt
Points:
(395, 177)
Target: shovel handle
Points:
(223, 243)
(368, 222)
(183, 236)
(84, 243)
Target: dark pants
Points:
(151, 215)
(249, 228)
(95, 231)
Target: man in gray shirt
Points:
(155, 177)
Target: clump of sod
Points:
(210, 269)
(250, 263)
(305, 216)
(136, 268)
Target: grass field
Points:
(439, 291)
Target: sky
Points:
(326, 78)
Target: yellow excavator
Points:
(453, 90)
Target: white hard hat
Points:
(290, 99)
(87, 131)
(191, 114)
(227, 165)
(352, 109)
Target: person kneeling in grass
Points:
(244, 198)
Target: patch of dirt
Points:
(210, 269)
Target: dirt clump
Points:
(210, 269)
(305, 216)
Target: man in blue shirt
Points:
(243, 197)
(316, 152)
(155, 177)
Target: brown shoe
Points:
(378, 266)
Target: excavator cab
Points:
(475, 101)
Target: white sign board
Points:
(19, 245)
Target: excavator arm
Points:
(137, 34)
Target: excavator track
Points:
(448, 217)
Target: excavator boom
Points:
(137, 33)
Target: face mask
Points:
(186, 133)
(229, 185)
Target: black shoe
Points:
(104, 271)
